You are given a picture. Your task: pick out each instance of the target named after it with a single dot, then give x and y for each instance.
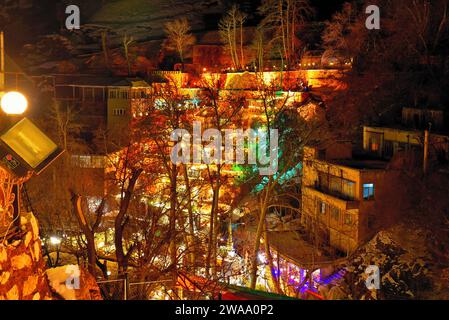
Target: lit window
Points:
(84, 161)
(113, 94)
(323, 208)
(97, 162)
(335, 214)
(123, 94)
(368, 191)
(118, 112)
(348, 219)
(88, 161)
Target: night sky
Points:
(324, 8)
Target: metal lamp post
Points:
(24, 150)
(12, 104)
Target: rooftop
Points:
(292, 246)
(404, 128)
(362, 164)
(95, 81)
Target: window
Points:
(88, 94)
(335, 214)
(388, 149)
(84, 161)
(368, 191)
(88, 161)
(375, 142)
(113, 94)
(337, 186)
(123, 94)
(323, 180)
(99, 94)
(348, 219)
(402, 146)
(138, 94)
(323, 208)
(118, 112)
(348, 189)
(97, 162)
(374, 145)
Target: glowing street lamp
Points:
(14, 103)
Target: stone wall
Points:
(23, 275)
(22, 268)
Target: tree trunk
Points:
(211, 250)
(173, 207)
(287, 29)
(293, 32)
(231, 48)
(270, 261)
(216, 231)
(241, 46)
(234, 40)
(191, 237)
(88, 233)
(119, 224)
(281, 16)
(104, 47)
(260, 229)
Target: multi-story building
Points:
(99, 104)
(339, 196)
(102, 102)
(385, 142)
(342, 195)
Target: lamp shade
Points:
(24, 148)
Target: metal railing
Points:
(127, 285)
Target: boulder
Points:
(73, 283)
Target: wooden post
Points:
(2, 61)
(426, 151)
(126, 287)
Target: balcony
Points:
(338, 201)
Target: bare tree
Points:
(230, 25)
(223, 112)
(89, 231)
(104, 47)
(259, 46)
(179, 36)
(335, 38)
(284, 17)
(295, 132)
(127, 42)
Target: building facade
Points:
(338, 197)
(386, 142)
